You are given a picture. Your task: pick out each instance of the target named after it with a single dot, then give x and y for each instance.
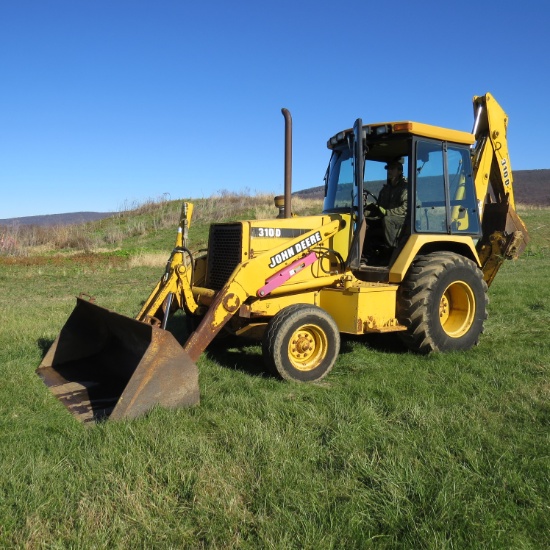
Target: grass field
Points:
(391, 450)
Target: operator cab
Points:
(441, 197)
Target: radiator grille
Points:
(224, 253)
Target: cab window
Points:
(464, 215)
(444, 193)
(340, 191)
(430, 214)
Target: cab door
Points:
(444, 192)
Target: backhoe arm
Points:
(504, 235)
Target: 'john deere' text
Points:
(294, 249)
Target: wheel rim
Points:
(457, 309)
(307, 347)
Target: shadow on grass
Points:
(235, 353)
(44, 344)
(237, 357)
(231, 352)
(245, 355)
(384, 343)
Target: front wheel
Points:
(301, 343)
(443, 303)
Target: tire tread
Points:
(416, 290)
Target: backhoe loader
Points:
(297, 283)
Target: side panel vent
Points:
(224, 253)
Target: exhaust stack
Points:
(288, 162)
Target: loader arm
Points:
(504, 235)
(247, 279)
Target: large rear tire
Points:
(301, 343)
(443, 303)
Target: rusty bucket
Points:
(104, 365)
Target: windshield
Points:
(340, 192)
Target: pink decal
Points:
(285, 274)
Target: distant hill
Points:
(532, 188)
(58, 219)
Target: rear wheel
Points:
(443, 303)
(301, 343)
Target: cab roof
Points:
(383, 130)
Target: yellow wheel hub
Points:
(457, 309)
(307, 347)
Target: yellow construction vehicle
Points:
(296, 283)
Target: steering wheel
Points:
(367, 206)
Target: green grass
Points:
(391, 450)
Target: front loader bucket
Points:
(105, 365)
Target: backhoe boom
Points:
(504, 235)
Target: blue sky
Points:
(108, 103)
